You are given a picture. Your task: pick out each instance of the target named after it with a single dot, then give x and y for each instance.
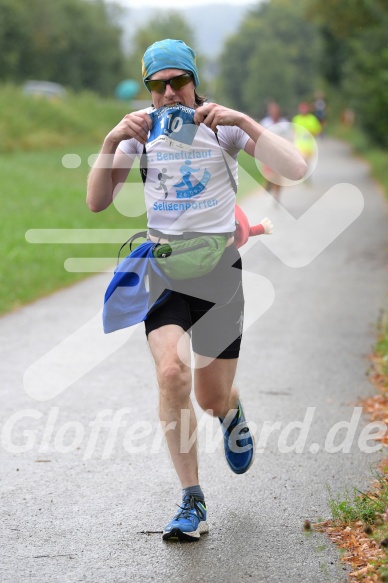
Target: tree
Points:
(346, 17)
(356, 58)
(274, 55)
(72, 42)
(14, 30)
(365, 83)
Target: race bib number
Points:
(173, 125)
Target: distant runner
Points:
(281, 126)
(306, 128)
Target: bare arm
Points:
(112, 166)
(272, 150)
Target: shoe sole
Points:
(178, 535)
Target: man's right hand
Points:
(134, 125)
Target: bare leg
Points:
(215, 393)
(213, 385)
(174, 379)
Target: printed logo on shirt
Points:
(193, 186)
(162, 177)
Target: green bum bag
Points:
(188, 258)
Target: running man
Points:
(170, 74)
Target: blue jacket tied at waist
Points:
(138, 285)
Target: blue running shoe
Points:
(189, 523)
(238, 442)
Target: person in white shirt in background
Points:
(281, 126)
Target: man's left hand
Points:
(213, 115)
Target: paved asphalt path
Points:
(95, 512)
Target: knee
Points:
(174, 379)
(214, 404)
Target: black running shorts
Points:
(210, 308)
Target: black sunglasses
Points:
(159, 85)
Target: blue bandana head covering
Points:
(169, 54)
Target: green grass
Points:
(370, 508)
(376, 157)
(39, 193)
(36, 123)
(349, 508)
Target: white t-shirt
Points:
(188, 187)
